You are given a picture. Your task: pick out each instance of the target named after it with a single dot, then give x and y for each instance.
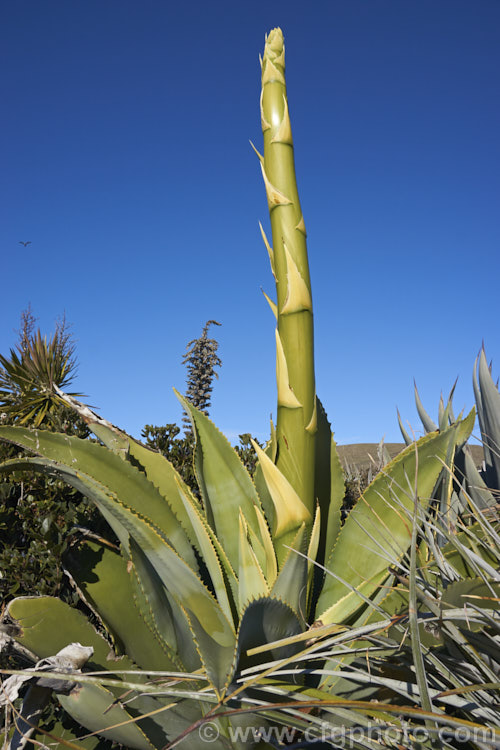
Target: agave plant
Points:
(461, 479)
(223, 600)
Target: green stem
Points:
(296, 419)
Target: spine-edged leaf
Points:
(312, 550)
(337, 494)
(105, 580)
(217, 659)
(162, 614)
(110, 470)
(94, 707)
(266, 620)
(377, 531)
(269, 564)
(176, 575)
(205, 544)
(162, 474)
(252, 582)
(45, 625)
(290, 511)
(226, 482)
(291, 583)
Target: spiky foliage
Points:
(37, 514)
(222, 594)
(460, 478)
(29, 374)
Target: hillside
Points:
(358, 454)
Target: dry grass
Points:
(358, 454)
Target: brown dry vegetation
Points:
(357, 456)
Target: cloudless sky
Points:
(125, 161)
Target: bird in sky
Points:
(25, 243)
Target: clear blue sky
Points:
(125, 161)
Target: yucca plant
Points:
(226, 609)
(29, 374)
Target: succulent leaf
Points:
(161, 613)
(380, 522)
(291, 583)
(94, 707)
(476, 486)
(217, 658)
(178, 578)
(488, 402)
(104, 579)
(266, 621)
(270, 567)
(290, 511)
(227, 484)
(252, 582)
(312, 550)
(176, 575)
(404, 433)
(164, 477)
(110, 471)
(429, 424)
(209, 555)
(329, 484)
(46, 625)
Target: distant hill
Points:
(358, 454)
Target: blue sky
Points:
(126, 163)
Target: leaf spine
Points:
(298, 296)
(269, 249)
(312, 427)
(284, 131)
(286, 397)
(271, 74)
(264, 123)
(274, 196)
(259, 155)
(301, 226)
(272, 305)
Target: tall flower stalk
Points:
(297, 418)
